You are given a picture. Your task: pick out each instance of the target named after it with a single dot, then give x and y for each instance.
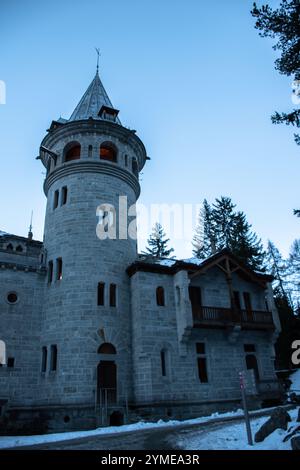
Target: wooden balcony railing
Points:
(222, 317)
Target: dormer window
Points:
(107, 113)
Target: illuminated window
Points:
(72, 151)
(108, 152)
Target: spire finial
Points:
(98, 55)
(30, 234)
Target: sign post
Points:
(246, 414)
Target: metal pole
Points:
(246, 414)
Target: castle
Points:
(96, 334)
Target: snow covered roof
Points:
(2, 234)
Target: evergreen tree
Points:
(157, 243)
(204, 240)
(221, 227)
(294, 273)
(283, 25)
(277, 267)
(223, 216)
(245, 245)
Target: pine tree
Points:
(157, 243)
(204, 240)
(277, 267)
(223, 216)
(294, 273)
(245, 245)
(284, 25)
(221, 227)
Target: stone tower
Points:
(92, 161)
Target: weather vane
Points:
(98, 55)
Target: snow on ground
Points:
(234, 437)
(16, 441)
(295, 378)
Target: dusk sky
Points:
(194, 79)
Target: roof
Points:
(11, 236)
(193, 265)
(92, 101)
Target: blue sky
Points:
(191, 76)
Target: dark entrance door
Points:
(106, 382)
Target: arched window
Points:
(19, 249)
(9, 247)
(72, 151)
(107, 348)
(251, 363)
(160, 296)
(108, 152)
(135, 167)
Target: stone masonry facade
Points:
(96, 334)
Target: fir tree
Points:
(277, 267)
(221, 227)
(245, 245)
(157, 243)
(204, 240)
(294, 273)
(283, 25)
(223, 216)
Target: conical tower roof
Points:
(93, 100)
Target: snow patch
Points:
(234, 437)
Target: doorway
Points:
(106, 383)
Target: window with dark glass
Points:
(112, 295)
(44, 359)
(55, 199)
(163, 363)
(237, 300)
(201, 362)
(10, 362)
(64, 195)
(100, 293)
(247, 301)
(53, 357)
(59, 269)
(195, 297)
(50, 271)
(160, 296)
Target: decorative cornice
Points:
(90, 166)
(21, 267)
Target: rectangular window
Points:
(163, 363)
(202, 370)
(53, 358)
(44, 359)
(247, 301)
(50, 272)
(112, 295)
(195, 296)
(55, 199)
(237, 300)
(200, 348)
(101, 287)
(64, 195)
(10, 362)
(201, 362)
(59, 267)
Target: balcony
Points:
(215, 317)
